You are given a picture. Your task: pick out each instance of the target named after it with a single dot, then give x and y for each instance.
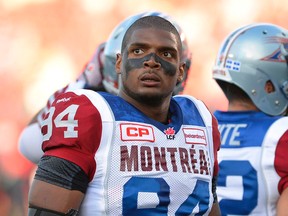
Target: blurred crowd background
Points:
(44, 45)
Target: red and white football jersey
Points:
(136, 165)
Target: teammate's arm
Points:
(29, 142)
(281, 165)
(282, 208)
(215, 211)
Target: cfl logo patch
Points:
(170, 133)
(136, 132)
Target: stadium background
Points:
(45, 43)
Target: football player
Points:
(141, 152)
(252, 70)
(99, 75)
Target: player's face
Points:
(150, 65)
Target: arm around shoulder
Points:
(30, 143)
(282, 207)
(215, 211)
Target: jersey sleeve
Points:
(216, 143)
(79, 84)
(281, 162)
(72, 130)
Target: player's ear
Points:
(181, 72)
(269, 87)
(118, 63)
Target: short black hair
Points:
(233, 92)
(151, 22)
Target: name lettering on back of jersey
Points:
(164, 159)
(230, 133)
(195, 136)
(170, 133)
(136, 132)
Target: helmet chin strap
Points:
(284, 87)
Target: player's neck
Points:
(241, 106)
(158, 112)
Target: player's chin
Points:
(150, 91)
(153, 94)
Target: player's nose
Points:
(152, 61)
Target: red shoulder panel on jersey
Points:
(72, 130)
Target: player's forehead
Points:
(153, 37)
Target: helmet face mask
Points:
(111, 79)
(252, 56)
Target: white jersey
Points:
(253, 162)
(136, 165)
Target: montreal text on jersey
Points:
(147, 158)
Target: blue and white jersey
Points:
(136, 165)
(252, 161)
